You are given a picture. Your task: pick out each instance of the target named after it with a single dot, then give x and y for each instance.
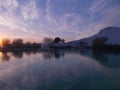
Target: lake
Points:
(59, 70)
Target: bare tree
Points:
(47, 40)
(17, 41)
(5, 42)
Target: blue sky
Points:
(33, 20)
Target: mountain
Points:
(111, 33)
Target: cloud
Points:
(97, 6)
(48, 16)
(30, 11)
(103, 13)
(11, 22)
(104, 9)
(111, 16)
(69, 22)
(96, 9)
(7, 16)
(70, 19)
(9, 5)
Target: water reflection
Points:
(19, 54)
(53, 54)
(5, 56)
(108, 59)
(75, 70)
(101, 57)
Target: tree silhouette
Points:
(17, 42)
(5, 42)
(57, 40)
(63, 40)
(99, 41)
(47, 40)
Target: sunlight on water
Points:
(59, 70)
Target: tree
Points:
(17, 42)
(82, 43)
(5, 42)
(62, 40)
(99, 41)
(57, 40)
(28, 43)
(47, 40)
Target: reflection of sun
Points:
(1, 55)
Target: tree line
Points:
(48, 40)
(20, 44)
(100, 44)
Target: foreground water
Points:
(59, 70)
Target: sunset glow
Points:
(70, 19)
(59, 44)
(0, 42)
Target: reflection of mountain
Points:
(110, 60)
(100, 57)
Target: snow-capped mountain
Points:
(111, 33)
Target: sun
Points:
(0, 42)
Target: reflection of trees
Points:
(58, 53)
(100, 56)
(53, 53)
(17, 54)
(35, 51)
(5, 56)
(28, 53)
(83, 51)
(47, 55)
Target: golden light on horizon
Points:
(1, 54)
(0, 42)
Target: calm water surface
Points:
(59, 70)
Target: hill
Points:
(111, 33)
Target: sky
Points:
(33, 20)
